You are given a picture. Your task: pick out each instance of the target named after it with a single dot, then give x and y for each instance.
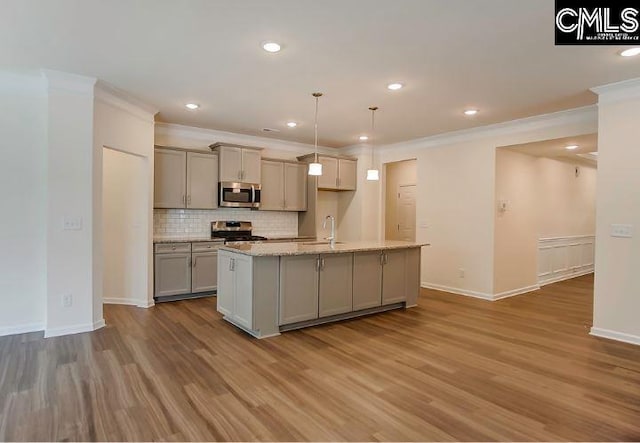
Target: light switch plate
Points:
(624, 231)
(72, 223)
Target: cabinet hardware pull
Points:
(386, 258)
(195, 260)
(322, 263)
(381, 258)
(188, 199)
(318, 264)
(184, 199)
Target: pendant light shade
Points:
(315, 168)
(372, 173)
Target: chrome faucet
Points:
(332, 237)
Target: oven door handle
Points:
(253, 194)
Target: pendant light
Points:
(372, 173)
(315, 168)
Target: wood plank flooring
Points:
(454, 368)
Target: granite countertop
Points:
(184, 239)
(301, 248)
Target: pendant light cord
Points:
(317, 95)
(373, 110)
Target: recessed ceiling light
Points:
(363, 138)
(271, 47)
(395, 86)
(292, 124)
(470, 111)
(631, 52)
(571, 147)
(192, 106)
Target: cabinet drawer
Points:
(205, 246)
(163, 248)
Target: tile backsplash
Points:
(168, 223)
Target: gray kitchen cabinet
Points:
(172, 273)
(272, 192)
(295, 187)
(185, 179)
(347, 174)
(335, 291)
(284, 186)
(202, 180)
(169, 189)
(238, 164)
(393, 276)
(204, 272)
(235, 288)
(367, 279)
(298, 288)
(329, 177)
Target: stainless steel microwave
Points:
(239, 195)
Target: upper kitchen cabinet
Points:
(284, 186)
(338, 173)
(185, 179)
(238, 163)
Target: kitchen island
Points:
(268, 288)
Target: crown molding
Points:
(209, 136)
(124, 101)
(586, 114)
(65, 81)
(618, 92)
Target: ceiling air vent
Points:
(270, 130)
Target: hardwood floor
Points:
(454, 368)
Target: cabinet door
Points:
(393, 276)
(243, 294)
(367, 280)
(336, 284)
(295, 187)
(250, 166)
(226, 284)
(329, 177)
(172, 274)
(169, 172)
(202, 181)
(230, 164)
(204, 271)
(298, 288)
(347, 174)
(272, 192)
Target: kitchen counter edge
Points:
(286, 249)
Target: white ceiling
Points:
(556, 148)
(496, 55)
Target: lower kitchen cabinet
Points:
(204, 271)
(298, 288)
(393, 276)
(335, 292)
(235, 288)
(172, 274)
(185, 269)
(367, 279)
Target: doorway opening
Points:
(400, 200)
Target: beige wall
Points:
(617, 284)
(516, 228)
(124, 217)
(455, 206)
(395, 174)
(545, 199)
(23, 199)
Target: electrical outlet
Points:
(72, 223)
(67, 300)
(461, 272)
(624, 231)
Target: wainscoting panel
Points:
(561, 258)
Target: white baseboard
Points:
(517, 291)
(75, 329)
(566, 276)
(614, 335)
(458, 291)
(128, 302)
(21, 329)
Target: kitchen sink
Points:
(317, 243)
